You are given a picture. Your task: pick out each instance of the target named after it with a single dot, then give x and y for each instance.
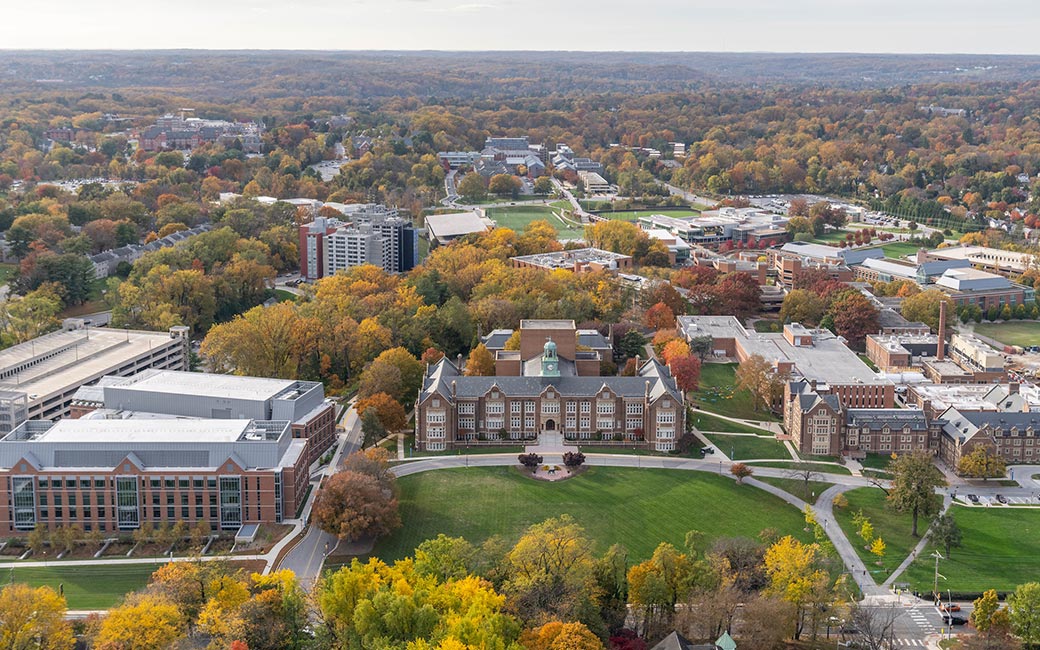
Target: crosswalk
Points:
(908, 643)
(918, 617)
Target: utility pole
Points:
(935, 588)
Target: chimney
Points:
(940, 349)
(458, 363)
(454, 389)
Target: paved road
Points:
(308, 555)
(688, 196)
(577, 209)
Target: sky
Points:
(898, 26)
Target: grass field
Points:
(816, 467)
(797, 487)
(718, 394)
(899, 250)
(517, 217)
(632, 215)
(748, 447)
(768, 326)
(891, 526)
(708, 422)
(877, 461)
(638, 508)
(86, 587)
(999, 551)
(833, 237)
(1022, 332)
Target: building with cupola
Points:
(548, 381)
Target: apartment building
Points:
(369, 234)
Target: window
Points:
(515, 406)
(633, 408)
(586, 407)
(467, 408)
(586, 423)
(24, 503)
(126, 500)
(514, 422)
(572, 407)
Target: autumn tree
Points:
(979, 463)
(445, 558)
(687, 372)
(802, 306)
(914, 481)
(481, 362)
(504, 185)
(659, 316)
(353, 506)
(550, 571)
(473, 187)
(984, 611)
(34, 618)
(674, 349)
(924, 307)
(389, 411)
(757, 376)
(797, 576)
(142, 622)
(854, 317)
(659, 584)
(741, 471)
(559, 636)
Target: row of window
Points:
(469, 408)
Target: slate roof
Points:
(441, 376)
(676, 641)
(892, 418)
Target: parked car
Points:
(1002, 499)
(947, 607)
(707, 450)
(950, 619)
(973, 498)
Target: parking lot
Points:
(970, 499)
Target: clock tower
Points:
(550, 362)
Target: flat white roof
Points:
(455, 224)
(145, 430)
(85, 355)
(208, 384)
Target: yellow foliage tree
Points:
(560, 636)
(142, 622)
(33, 618)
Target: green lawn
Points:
(517, 217)
(718, 394)
(632, 215)
(899, 250)
(86, 587)
(748, 447)
(1022, 332)
(999, 551)
(797, 487)
(833, 237)
(822, 468)
(877, 461)
(708, 422)
(891, 526)
(636, 451)
(284, 296)
(638, 508)
(768, 326)
(870, 364)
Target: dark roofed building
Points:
(548, 385)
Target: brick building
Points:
(819, 424)
(113, 475)
(169, 394)
(548, 387)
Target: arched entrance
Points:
(550, 425)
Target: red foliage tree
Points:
(854, 317)
(352, 506)
(659, 317)
(687, 372)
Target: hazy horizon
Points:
(1000, 27)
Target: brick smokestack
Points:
(940, 350)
